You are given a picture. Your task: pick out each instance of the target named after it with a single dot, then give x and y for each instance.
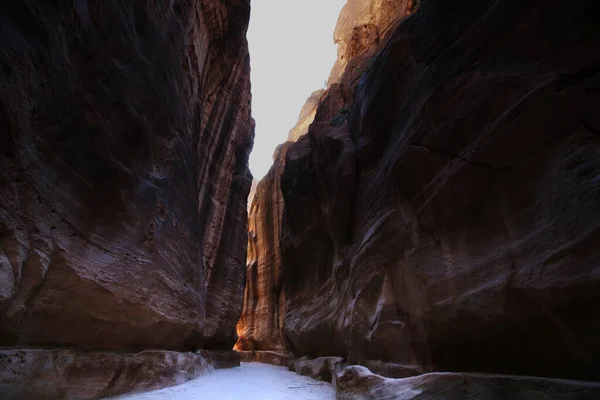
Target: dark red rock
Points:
(221, 359)
(443, 209)
(72, 375)
(357, 382)
(125, 130)
(125, 137)
(361, 27)
(320, 368)
(261, 324)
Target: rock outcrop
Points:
(262, 321)
(357, 382)
(67, 374)
(442, 211)
(125, 137)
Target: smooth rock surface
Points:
(29, 374)
(307, 116)
(442, 210)
(124, 141)
(358, 383)
(260, 326)
(360, 28)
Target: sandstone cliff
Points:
(443, 209)
(124, 144)
(261, 324)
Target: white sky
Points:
(291, 55)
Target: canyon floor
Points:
(250, 381)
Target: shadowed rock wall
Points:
(125, 131)
(443, 209)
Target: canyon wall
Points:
(442, 210)
(261, 323)
(125, 137)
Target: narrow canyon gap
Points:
(430, 230)
(436, 208)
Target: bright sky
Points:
(291, 55)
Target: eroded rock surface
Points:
(68, 374)
(124, 141)
(125, 137)
(307, 116)
(453, 221)
(357, 382)
(261, 324)
(442, 210)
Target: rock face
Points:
(67, 374)
(442, 211)
(361, 26)
(307, 116)
(123, 183)
(358, 383)
(261, 323)
(124, 144)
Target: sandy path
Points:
(251, 381)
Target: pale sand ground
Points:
(251, 381)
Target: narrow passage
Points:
(250, 381)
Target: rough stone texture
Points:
(260, 326)
(306, 117)
(266, 357)
(320, 368)
(27, 374)
(443, 209)
(125, 133)
(357, 382)
(361, 26)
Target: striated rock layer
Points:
(124, 145)
(443, 210)
(68, 374)
(261, 324)
(123, 183)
